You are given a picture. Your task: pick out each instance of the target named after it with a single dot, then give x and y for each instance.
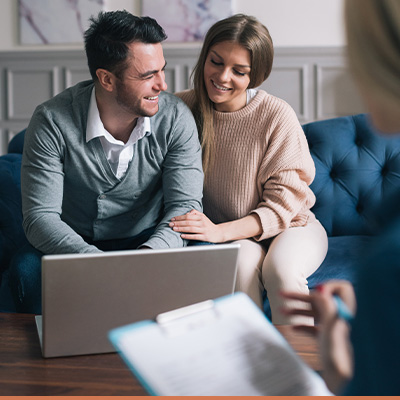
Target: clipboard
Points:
(222, 347)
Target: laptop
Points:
(84, 296)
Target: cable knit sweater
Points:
(262, 165)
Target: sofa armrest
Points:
(16, 144)
(12, 236)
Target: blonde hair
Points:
(373, 35)
(248, 32)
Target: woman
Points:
(363, 357)
(257, 166)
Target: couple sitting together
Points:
(117, 163)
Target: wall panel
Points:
(336, 93)
(24, 80)
(314, 81)
(73, 75)
(290, 84)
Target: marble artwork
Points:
(186, 20)
(55, 21)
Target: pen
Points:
(343, 311)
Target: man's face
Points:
(144, 79)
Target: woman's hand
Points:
(194, 225)
(332, 332)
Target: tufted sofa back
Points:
(356, 169)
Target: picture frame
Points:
(186, 20)
(55, 22)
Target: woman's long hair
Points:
(248, 32)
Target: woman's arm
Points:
(196, 226)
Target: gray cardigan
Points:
(69, 189)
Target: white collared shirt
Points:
(250, 93)
(118, 153)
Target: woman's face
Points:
(227, 75)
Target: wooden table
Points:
(23, 371)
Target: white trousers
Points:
(292, 256)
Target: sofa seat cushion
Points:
(342, 259)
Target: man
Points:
(107, 163)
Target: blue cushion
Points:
(356, 170)
(12, 236)
(342, 259)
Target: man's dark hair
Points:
(109, 34)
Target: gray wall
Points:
(314, 81)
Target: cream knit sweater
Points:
(262, 165)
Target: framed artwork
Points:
(55, 21)
(186, 20)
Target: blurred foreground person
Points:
(362, 357)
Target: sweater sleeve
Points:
(285, 174)
(42, 181)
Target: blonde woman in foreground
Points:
(257, 165)
(363, 357)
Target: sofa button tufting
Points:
(359, 208)
(358, 142)
(384, 171)
(333, 175)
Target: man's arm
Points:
(42, 185)
(182, 178)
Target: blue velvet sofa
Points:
(355, 170)
(12, 236)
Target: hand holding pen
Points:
(332, 305)
(333, 299)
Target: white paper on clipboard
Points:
(224, 347)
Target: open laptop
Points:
(84, 296)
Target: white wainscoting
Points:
(314, 81)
